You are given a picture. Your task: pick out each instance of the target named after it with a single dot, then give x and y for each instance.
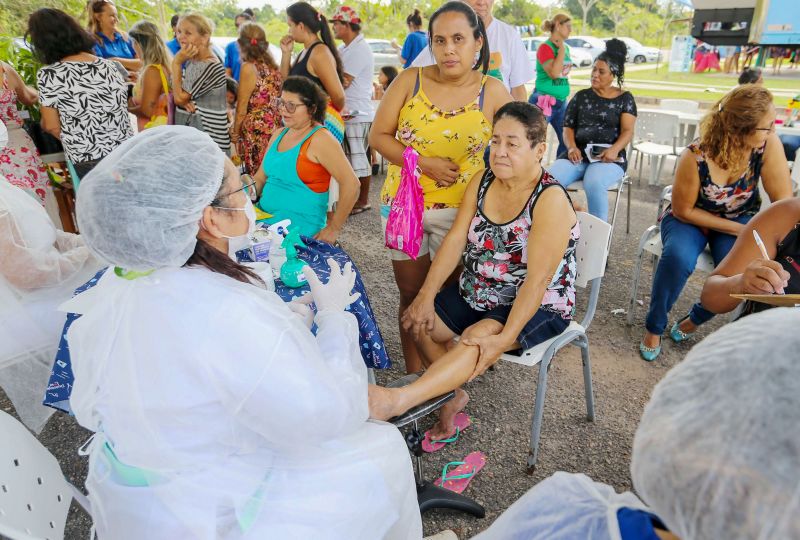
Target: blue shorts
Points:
(457, 315)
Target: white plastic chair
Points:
(656, 136)
(34, 495)
(591, 255)
(796, 174)
(682, 105)
(650, 242)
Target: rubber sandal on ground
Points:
(462, 421)
(359, 210)
(649, 353)
(677, 335)
(458, 479)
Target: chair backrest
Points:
(591, 254)
(552, 146)
(34, 496)
(592, 249)
(796, 174)
(657, 127)
(682, 105)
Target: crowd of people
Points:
(197, 436)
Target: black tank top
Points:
(788, 256)
(300, 67)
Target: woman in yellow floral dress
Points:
(445, 113)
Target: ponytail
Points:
(316, 23)
(485, 52)
(327, 39)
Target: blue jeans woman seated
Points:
(603, 116)
(715, 193)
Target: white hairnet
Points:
(717, 453)
(140, 207)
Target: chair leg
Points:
(637, 272)
(661, 161)
(628, 220)
(538, 410)
(614, 214)
(587, 378)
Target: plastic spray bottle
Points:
(277, 255)
(292, 270)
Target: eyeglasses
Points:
(770, 129)
(248, 186)
(290, 106)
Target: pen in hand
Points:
(761, 247)
(760, 244)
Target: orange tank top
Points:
(313, 175)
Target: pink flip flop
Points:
(459, 478)
(462, 421)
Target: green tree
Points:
(617, 13)
(520, 12)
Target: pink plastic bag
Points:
(404, 226)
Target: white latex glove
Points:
(300, 307)
(335, 295)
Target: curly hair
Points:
(614, 55)
(254, 46)
(724, 131)
(310, 94)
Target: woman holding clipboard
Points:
(750, 269)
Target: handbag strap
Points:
(164, 84)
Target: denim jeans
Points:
(683, 244)
(790, 145)
(597, 178)
(556, 120)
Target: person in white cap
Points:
(40, 267)
(359, 67)
(217, 413)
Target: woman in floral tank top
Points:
(444, 112)
(715, 194)
(511, 214)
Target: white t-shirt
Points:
(509, 62)
(357, 61)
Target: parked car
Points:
(594, 46)
(579, 57)
(218, 45)
(638, 53)
(384, 54)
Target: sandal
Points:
(359, 209)
(462, 475)
(462, 421)
(677, 334)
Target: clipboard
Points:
(781, 300)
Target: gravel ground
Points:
(502, 401)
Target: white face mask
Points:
(242, 241)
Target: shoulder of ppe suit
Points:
(218, 302)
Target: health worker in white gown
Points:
(216, 412)
(40, 267)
